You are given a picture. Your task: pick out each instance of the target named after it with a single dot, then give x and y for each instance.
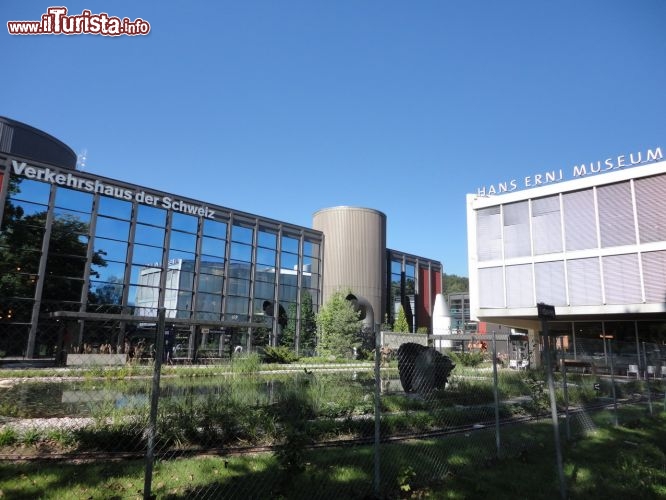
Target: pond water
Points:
(88, 398)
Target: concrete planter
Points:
(96, 359)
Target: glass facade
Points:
(71, 241)
(413, 283)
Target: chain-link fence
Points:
(407, 419)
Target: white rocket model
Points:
(441, 320)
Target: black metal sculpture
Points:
(423, 369)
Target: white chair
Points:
(633, 369)
(651, 371)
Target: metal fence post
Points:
(378, 385)
(565, 388)
(610, 344)
(646, 375)
(496, 394)
(154, 399)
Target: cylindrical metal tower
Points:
(354, 253)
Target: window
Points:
(546, 225)
(488, 234)
(516, 230)
(580, 228)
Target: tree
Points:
(308, 335)
(339, 327)
(289, 331)
(455, 284)
(21, 239)
(308, 330)
(401, 324)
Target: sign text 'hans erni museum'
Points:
(86, 262)
(580, 170)
(592, 246)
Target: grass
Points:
(294, 410)
(628, 461)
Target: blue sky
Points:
(281, 108)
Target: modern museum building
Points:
(589, 241)
(86, 263)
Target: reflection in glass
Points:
(288, 261)
(119, 209)
(289, 244)
(212, 266)
(265, 275)
(183, 241)
(150, 235)
(106, 292)
(266, 257)
(30, 212)
(183, 222)
(22, 285)
(111, 249)
(311, 249)
(236, 305)
(145, 275)
(151, 215)
(288, 293)
(75, 200)
(239, 286)
(57, 288)
(212, 246)
(208, 306)
(69, 216)
(241, 252)
(147, 255)
(264, 290)
(111, 271)
(146, 300)
(112, 228)
(211, 283)
(290, 279)
(175, 255)
(35, 191)
(215, 229)
(267, 240)
(241, 234)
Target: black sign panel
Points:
(545, 311)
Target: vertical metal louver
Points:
(654, 276)
(651, 208)
(580, 228)
(616, 215)
(584, 280)
(549, 283)
(622, 279)
(516, 230)
(491, 287)
(6, 137)
(546, 225)
(519, 286)
(489, 234)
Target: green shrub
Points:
(280, 354)
(31, 437)
(471, 359)
(247, 363)
(8, 436)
